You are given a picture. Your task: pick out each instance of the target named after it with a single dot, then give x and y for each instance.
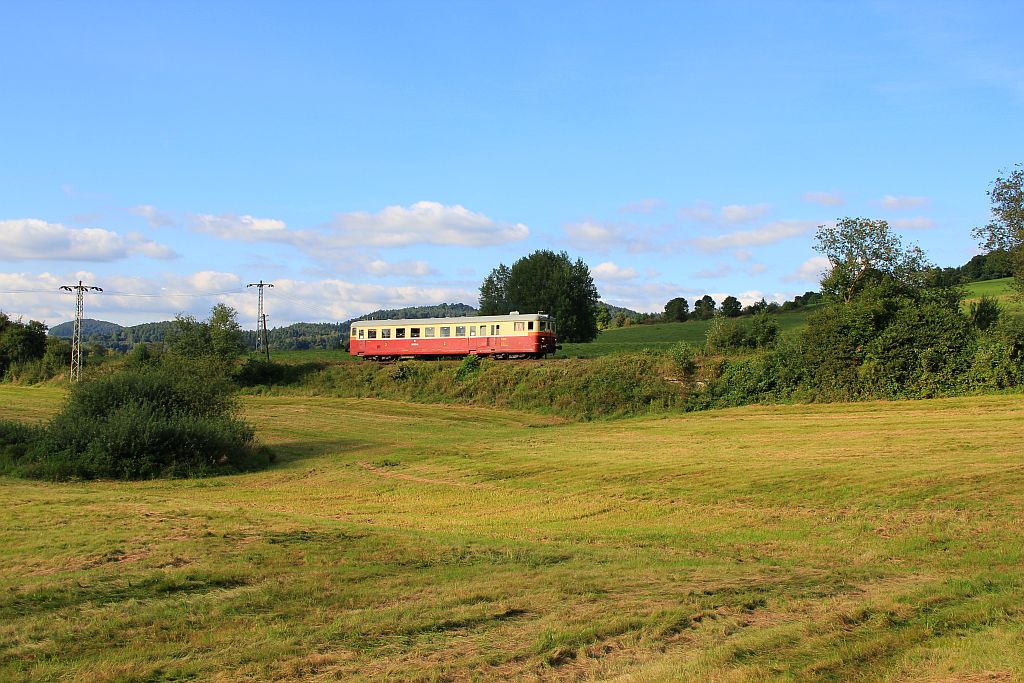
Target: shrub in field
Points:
(138, 424)
(730, 335)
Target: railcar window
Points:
(428, 331)
(446, 331)
(530, 328)
(518, 326)
(385, 334)
(414, 332)
(460, 330)
(371, 334)
(543, 325)
(497, 328)
(360, 333)
(472, 331)
(399, 333)
(483, 330)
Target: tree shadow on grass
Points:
(290, 452)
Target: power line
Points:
(76, 337)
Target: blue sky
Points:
(366, 155)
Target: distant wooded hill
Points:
(299, 336)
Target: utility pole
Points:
(262, 339)
(76, 337)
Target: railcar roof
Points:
(459, 320)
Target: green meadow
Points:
(849, 542)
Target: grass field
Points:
(1002, 290)
(877, 541)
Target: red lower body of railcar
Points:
(520, 346)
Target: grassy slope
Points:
(841, 542)
(1002, 290)
(661, 336)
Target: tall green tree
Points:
(545, 281)
(211, 345)
(677, 310)
(704, 308)
(860, 250)
(731, 307)
(1005, 230)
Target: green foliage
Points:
(684, 357)
(206, 347)
(138, 424)
(704, 308)
(677, 310)
(469, 367)
(20, 342)
(730, 335)
(731, 307)
(861, 251)
(550, 282)
(985, 312)
(1005, 230)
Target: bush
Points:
(138, 424)
(729, 335)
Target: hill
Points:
(90, 327)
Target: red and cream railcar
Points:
(502, 336)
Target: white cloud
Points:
(810, 270)
(36, 296)
(31, 239)
(596, 236)
(767, 234)
(915, 223)
(243, 228)
(610, 271)
(425, 223)
(720, 270)
(742, 255)
(642, 206)
(382, 268)
(757, 269)
(834, 198)
(153, 216)
(732, 214)
(902, 203)
(739, 213)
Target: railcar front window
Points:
(446, 331)
(460, 330)
(360, 333)
(543, 326)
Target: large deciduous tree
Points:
(1005, 231)
(545, 281)
(861, 250)
(704, 308)
(677, 309)
(731, 307)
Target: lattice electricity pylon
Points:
(262, 338)
(76, 336)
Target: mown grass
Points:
(875, 541)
